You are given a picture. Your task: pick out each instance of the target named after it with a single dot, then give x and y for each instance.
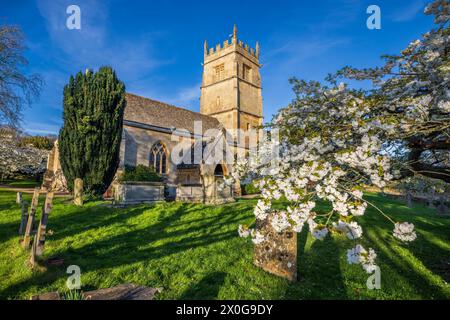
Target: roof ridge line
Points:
(170, 105)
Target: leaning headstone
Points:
(33, 252)
(78, 192)
(23, 221)
(19, 198)
(278, 253)
(31, 216)
(40, 242)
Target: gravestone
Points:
(409, 199)
(126, 291)
(78, 192)
(442, 208)
(33, 252)
(31, 217)
(23, 221)
(430, 198)
(278, 253)
(40, 242)
(19, 198)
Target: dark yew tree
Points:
(89, 140)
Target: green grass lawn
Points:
(27, 183)
(193, 252)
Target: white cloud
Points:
(41, 128)
(290, 54)
(93, 45)
(186, 96)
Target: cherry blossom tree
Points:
(335, 140)
(413, 89)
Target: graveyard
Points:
(193, 251)
(294, 158)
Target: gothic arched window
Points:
(158, 158)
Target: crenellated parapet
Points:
(234, 45)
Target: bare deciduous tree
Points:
(16, 88)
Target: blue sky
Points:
(156, 47)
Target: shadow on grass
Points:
(405, 266)
(206, 289)
(319, 273)
(157, 240)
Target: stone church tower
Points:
(231, 85)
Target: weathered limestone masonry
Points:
(230, 99)
(54, 178)
(231, 86)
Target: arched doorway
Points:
(218, 171)
(222, 191)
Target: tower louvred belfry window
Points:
(246, 72)
(158, 158)
(220, 72)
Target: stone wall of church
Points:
(135, 149)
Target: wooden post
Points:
(78, 192)
(31, 216)
(19, 198)
(23, 221)
(40, 242)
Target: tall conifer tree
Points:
(89, 140)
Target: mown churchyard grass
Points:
(193, 251)
(20, 183)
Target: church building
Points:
(230, 100)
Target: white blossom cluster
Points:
(256, 236)
(405, 232)
(337, 152)
(359, 255)
(331, 141)
(352, 230)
